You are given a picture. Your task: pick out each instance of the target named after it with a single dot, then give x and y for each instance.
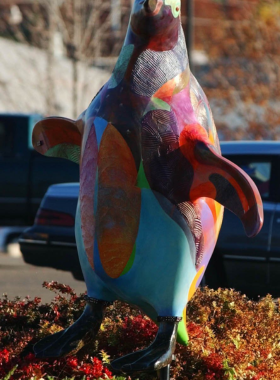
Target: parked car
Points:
(251, 265)
(25, 175)
(50, 242)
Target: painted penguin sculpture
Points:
(153, 185)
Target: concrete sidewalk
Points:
(20, 279)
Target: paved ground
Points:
(20, 279)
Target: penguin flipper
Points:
(58, 137)
(220, 179)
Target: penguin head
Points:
(153, 18)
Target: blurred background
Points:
(55, 55)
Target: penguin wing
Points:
(185, 166)
(58, 137)
(220, 179)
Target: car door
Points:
(274, 244)
(242, 262)
(47, 171)
(14, 168)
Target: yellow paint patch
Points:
(175, 6)
(182, 80)
(219, 214)
(194, 283)
(185, 316)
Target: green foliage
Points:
(10, 373)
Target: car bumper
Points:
(52, 254)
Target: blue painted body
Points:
(156, 263)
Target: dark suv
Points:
(251, 265)
(25, 175)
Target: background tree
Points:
(242, 39)
(88, 29)
(239, 38)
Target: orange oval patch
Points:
(119, 202)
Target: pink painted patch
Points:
(87, 187)
(208, 228)
(182, 106)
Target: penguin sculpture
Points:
(153, 185)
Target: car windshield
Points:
(260, 173)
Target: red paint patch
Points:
(53, 131)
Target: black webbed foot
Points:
(117, 364)
(156, 356)
(71, 340)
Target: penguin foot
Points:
(71, 340)
(117, 364)
(156, 356)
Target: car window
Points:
(260, 172)
(6, 137)
(32, 121)
(259, 169)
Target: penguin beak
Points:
(152, 7)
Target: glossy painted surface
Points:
(153, 181)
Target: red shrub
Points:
(231, 337)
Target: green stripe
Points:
(157, 104)
(130, 261)
(121, 66)
(182, 334)
(142, 181)
(68, 151)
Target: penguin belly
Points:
(161, 269)
(96, 288)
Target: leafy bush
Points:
(231, 337)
